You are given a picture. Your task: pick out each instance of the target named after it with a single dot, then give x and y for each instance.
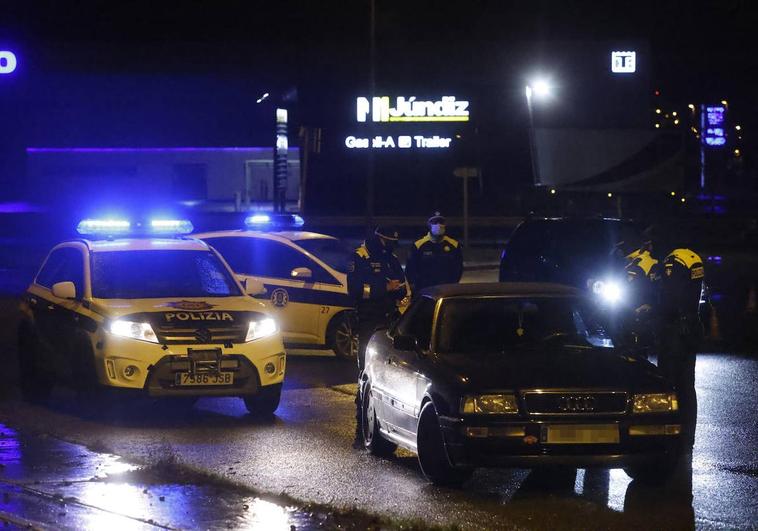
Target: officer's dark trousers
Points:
(677, 363)
(367, 324)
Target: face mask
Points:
(437, 230)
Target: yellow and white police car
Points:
(142, 307)
(304, 274)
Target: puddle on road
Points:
(51, 483)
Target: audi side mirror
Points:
(64, 290)
(301, 273)
(401, 342)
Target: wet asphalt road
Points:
(305, 454)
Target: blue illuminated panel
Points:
(713, 121)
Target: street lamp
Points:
(539, 89)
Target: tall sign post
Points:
(280, 161)
(712, 133)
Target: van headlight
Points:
(489, 404)
(260, 328)
(133, 330)
(655, 403)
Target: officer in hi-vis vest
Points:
(376, 282)
(434, 259)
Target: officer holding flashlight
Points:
(434, 259)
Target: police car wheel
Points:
(35, 384)
(341, 337)
(372, 439)
(83, 369)
(265, 402)
(432, 456)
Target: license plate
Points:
(582, 434)
(186, 379)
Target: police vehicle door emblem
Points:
(280, 297)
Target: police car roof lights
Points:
(171, 226)
(110, 228)
(261, 221)
(103, 227)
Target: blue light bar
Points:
(274, 221)
(171, 226)
(103, 227)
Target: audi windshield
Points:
(503, 324)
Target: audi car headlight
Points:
(655, 403)
(261, 328)
(609, 291)
(489, 404)
(133, 330)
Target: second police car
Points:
(160, 313)
(304, 274)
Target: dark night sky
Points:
(698, 46)
(701, 51)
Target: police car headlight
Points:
(262, 328)
(655, 403)
(492, 404)
(134, 330)
(608, 290)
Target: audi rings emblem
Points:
(576, 404)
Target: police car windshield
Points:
(500, 325)
(160, 274)
(333, 253)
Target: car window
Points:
(334, 253)
(160, 274)
(64, 265)
(501, 324)
(417, 321)
(266, 258)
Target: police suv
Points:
(304, 274)
(142, 307)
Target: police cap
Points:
(437, 218)
(388, 233)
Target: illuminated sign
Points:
(7, 62)
(400, 142)
(713, 122)
(380, 109)
(623, 62)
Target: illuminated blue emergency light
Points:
(103, 227)
(171, 226)
(264, 221)
(120, 227)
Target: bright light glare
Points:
(133, 330)
(541, 88)
(103, 226)
(609, 291)
(258, 219)
(265, 95)
(259, 329)
(176, 226)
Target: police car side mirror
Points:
(253, 286)
(401, 342)
(301, 273)
(64, 290)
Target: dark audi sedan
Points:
(514, 375)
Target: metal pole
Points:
(465, 211)
(372, 91)
(532, 140)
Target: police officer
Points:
(434, 259)
(681, 331)
(642, 270)
(376, 282)
(677, 284)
